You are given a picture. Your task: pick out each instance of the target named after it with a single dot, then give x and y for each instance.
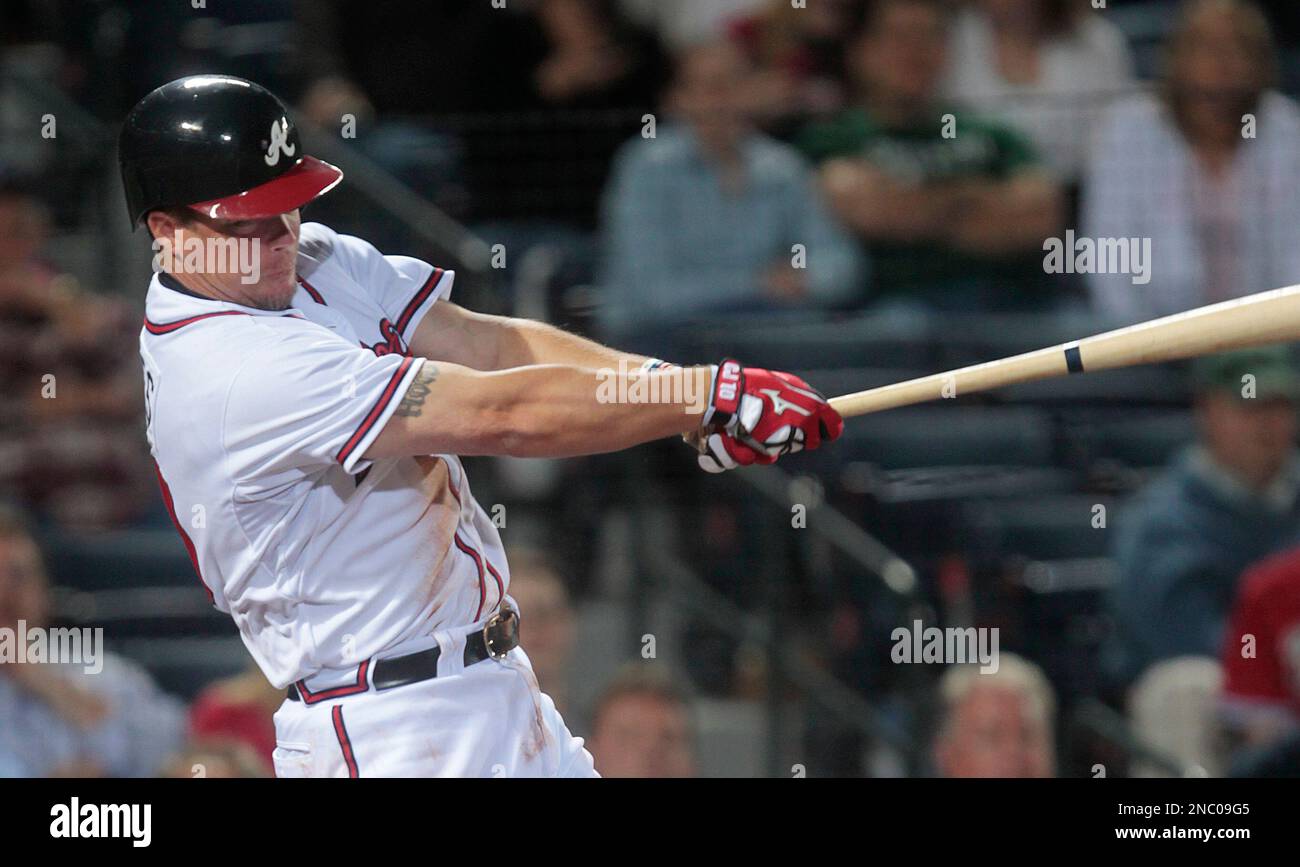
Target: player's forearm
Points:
(530, 342)
(484, 342)
(541, 410)
(565, 411)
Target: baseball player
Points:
(306, 420)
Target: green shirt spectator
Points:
(953, 209)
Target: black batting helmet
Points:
(220, 145)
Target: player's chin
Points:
(277, 287)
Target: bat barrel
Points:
(1255, 320)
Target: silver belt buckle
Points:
(501, 632)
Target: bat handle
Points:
(697, 439)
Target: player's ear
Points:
(159, 224)
(163, 223)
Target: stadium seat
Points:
(936, 484)
(1049, 528)
(121, 559)
(1141, 440)
(886, 340)
(973, 339)
(184, 666)
(1151, 386)
(941, 436)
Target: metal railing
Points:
(789, 661)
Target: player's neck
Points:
(195, 286)
(171, 281)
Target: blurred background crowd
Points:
(855, 190)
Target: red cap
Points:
(293, 189)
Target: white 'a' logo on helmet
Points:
(279, 142)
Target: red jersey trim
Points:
(375, 412)
(420, 297)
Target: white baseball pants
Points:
(488, 720)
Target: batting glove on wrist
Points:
(755, 416)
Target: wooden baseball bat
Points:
(1254, 320)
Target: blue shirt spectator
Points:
(139, 728)
(95, 715)
(11, 766)
(1230, 500)
(711, 216)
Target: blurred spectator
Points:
(26, 281)
(1044, 67)
(1280, 759)
(1207, 171)
(344, 72)
(57, 719)
(69, 385)
(11, 766)
(129, 48)
(1172, 709)
(704, 217)
(595, 57)
(681, 23)
(1226, 502)
(216, 760)
(570, 80)
(798, 54)
(546, 623)
(953, 209)
(1261, 653)
(1285, 15)
(600, 74)
(415, 107)
(999, 724)
(239, 710)
(641, 727)
(35, 37)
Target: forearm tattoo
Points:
(412, 403)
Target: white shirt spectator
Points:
(1145, 182)
(1080, 73)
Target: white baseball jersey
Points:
(258, 421)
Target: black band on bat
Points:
(1073, 360)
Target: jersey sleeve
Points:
(309, 399)
(405, 287)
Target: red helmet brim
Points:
(293, 189)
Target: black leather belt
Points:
(497, 638)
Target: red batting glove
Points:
(757, 415)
